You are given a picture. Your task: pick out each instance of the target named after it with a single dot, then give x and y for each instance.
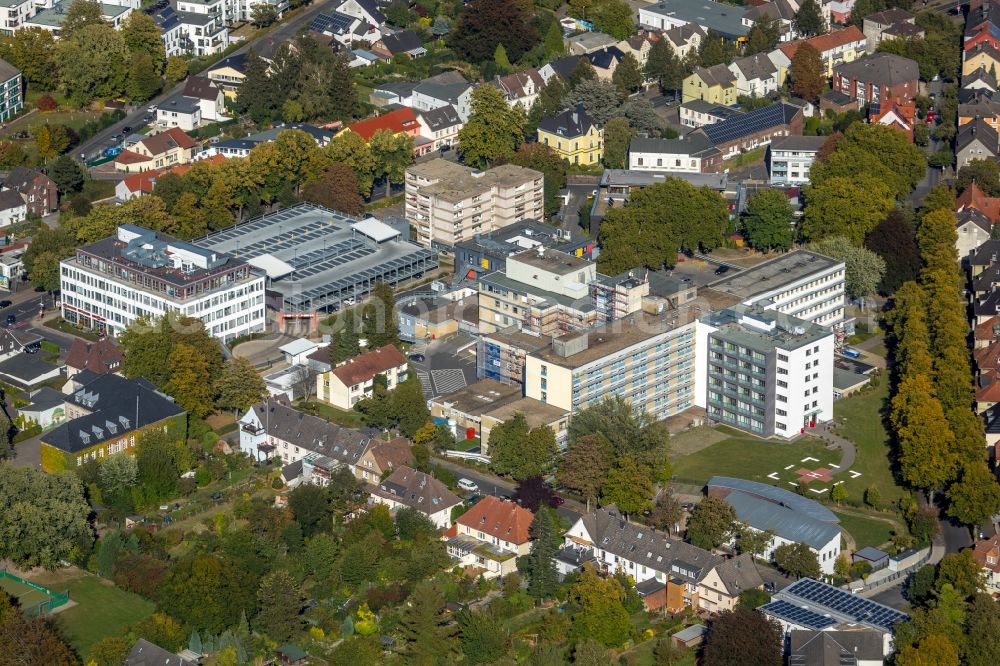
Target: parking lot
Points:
(448, 365)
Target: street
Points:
(265, 46)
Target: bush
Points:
(47, 103)
(277, 483)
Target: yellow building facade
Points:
(574, 136)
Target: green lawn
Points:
(350, 419)
(753, 459)
(642, 654)
(60, 324)
(861, 422)
(102, 609)
(866, 531)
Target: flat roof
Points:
(737, 324)
(774, 274)
(536, 412)
(847, 379)
(637, 178)
(584, 304)
(480, 398)
(553, 261)
(331, 257)
(725, 19)
(515, 337)
(377, 230)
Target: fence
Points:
(465, 455)
(884, 577)
(27, 592)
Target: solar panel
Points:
(749, 123)
(844, 603)
(797, 615)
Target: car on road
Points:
(473, 499)
(722, 270)
(557, 501)
(417, 358)
(5, 304)
(126, 129)
(468, 485)
(11, 319)
(147, 119)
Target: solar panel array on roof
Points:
(856, 609)
(797, 615)
(334, 24)
(738, 127)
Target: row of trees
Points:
(939, 438)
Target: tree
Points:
(615, 18)
(667, 512)
(67, 174)
(797, 559)
(501, 61)
(534, 492)
(715, 50)
(350, 149)
(143, 80)
(585, 464)
(392, 153)
(207, 592)
(629, 486)
(141, 35)
(485, 640)
(485, 23)
(664, 65)
(933, 650)
(600, 99)
(110, 651)
(540, 564)
(961, 572)
(591, 653)
(601, 616)
(239, 385)
(743, 636)
(628, 74)
(975, 496)
(92, 62)
(807, 72)
(176, 70)
(753, 541)
(519, 451)
(257, 95)
(148, 345)
(617, 135)
(711, 523)
(494, 129)
(925, 442)
(32, 642)
(753, 598)
(12, 155)
(380, 325)
(838, 494)
(848, 207)
(554, 46)
(767, 222)
(118, 474)
(44, 518)
(659, 221)
(894, 239)
(984, 173)
(809, 19)
(863, 268)
(33, 51)
(157, 458)
(310, 505)
(983, 626)
(263, 15)
(280, 604)
(428, 634)
(764, 35)
(51, 140)
(190, 382)
(79, 16)
(936, 237)
(542, 158)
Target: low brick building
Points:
(881, 78)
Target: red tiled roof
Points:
(102, 357)
(502, 519)
(400, 120)
(168, 139)
(988, 548)
(826, 42)
(141, 182)
(988, 387)
(129, 157)
(984, 331)
(365, 366)
(974, 197)
(394, 453)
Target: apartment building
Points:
(839, 46)
(800, 283)
(448, 202)
(540, 291)
(139, 273)
(11, 91)
(764, 372)
(573, 135)
(408, 488)
(645, 358)
(790, 158)
(15, 13)
(354, 380)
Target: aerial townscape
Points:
(499, 332)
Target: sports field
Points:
(27, 597)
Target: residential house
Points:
(901, 117)
(46, 410)
(440, 126)
(242, 147)
(521, 87)
(394, 93)
(429, 95)
(382, 457)
(974, 197)
(693, 153)
(693, 578)
(790, 158)
(297, 351)
(39, 192)
(210, 97)
(979, 105)
(406, 487)
(809, 605)
(715, 84)
(684, 39)
(835, 48)
(143, 183)
(272, 429)
(155, 151)
(406, 42)
(228, 74)
(52, 15)
(782, 11)
(974, 228)
(346, 29)
(144, 653)
(354, 380)
(561, 67)
(987, 554)
(202, 34)
(490, 536)
(588, 42)
(13, 208)
(16, 13)
(102, 357)
(754, 129)
(179, 111)
(109, 415)
(721, 18)
(980, 79)
(574, 136)
(982, 56)
(756, 76)
(639, 45)
(881, 79)
(875, 25)
(975, 141)
(365, 10)
(698, 113)
(11, 91)
(400, 121)
(605, 62)
(903, 31)
(842, 648)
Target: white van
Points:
(467, 485)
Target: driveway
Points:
(27, 453)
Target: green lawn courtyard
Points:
(866, 530)
(860, 420)
(101, 609)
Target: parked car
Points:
(126, 129)
(468, 485)
(417, 358)
(11, 319)
(769, 587)
(851, 352)
(5, 304)
(722, 270)
(151, 108)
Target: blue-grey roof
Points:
(179, 103)
(749, 123)
(786, 523)
(725, 19)
(690, 633)
(872, 554)
(802, 505)
(797, 615)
